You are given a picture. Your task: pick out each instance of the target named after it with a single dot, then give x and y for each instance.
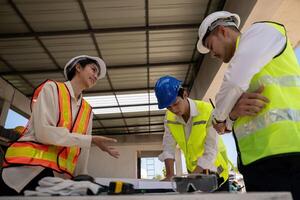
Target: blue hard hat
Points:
(166, 91)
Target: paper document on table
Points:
(151, 184)
(138, 183)
(106, 181)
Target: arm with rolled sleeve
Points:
(258, 45)
(207, 160)
(45, 117)
(169, 145)
(168, 154)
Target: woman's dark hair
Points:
(82, 62)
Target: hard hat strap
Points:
(229, 21)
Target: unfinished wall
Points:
(103, 165)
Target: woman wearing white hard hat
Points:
(58, 136)
(260, 92)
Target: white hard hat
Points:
(211, 22)
(72, 63)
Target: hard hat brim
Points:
(162, 106)
(102, 66)
(201, 48)
(100, 62)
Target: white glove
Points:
(58, 186)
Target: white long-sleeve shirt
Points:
(257, 46)
(206, 161)
(42, 128)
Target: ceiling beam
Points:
(130, 133)
(99, 30)
(129, 117)
(112, 67)
(134, 125)
(195, 51)
(99, 92)
(122, 106)
(13, 70)
(96, 44)
(92, 92)
(129, 90)
(125, 90)
(24, 20)
(194, 68)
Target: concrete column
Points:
(4, 108)
(6, 95)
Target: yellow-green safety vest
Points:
(276, 128)
(194, 147)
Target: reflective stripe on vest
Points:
(193, 149)
(61, 159)
(267, 118)
(276, 129)
(65, 109)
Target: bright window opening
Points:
(152, 168)
(14, 119)
(100, 103)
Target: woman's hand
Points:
(100, 141)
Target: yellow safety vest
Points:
(194, 147)
(276, 129)
(58, 158)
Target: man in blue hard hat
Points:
(186, 124)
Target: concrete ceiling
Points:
(140, 41)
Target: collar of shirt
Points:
(70, 88)
(193, 112)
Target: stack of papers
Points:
(138, 183)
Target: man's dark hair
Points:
(180, 92)
(234, 29)
(208, 32)
(82, 62)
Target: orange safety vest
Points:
(59, 158)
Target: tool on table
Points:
(196, 182)
(119, 187)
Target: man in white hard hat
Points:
(58, 137)
(267, 130)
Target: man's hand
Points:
(220, 127)
(249, 104)
(198, 170)
(101, 141)
(169, 163)
(168, 178)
